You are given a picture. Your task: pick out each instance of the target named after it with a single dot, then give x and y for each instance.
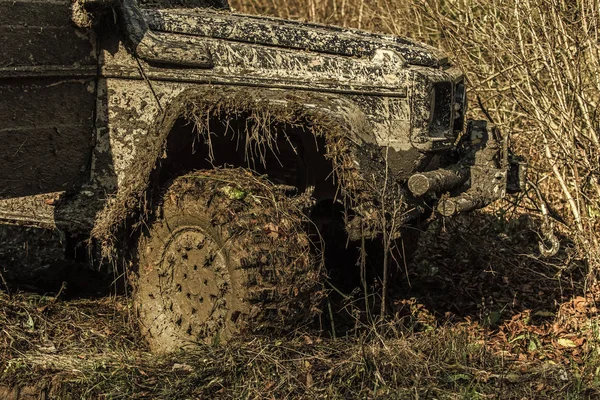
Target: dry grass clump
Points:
(533, 67)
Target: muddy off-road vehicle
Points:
(223, 163)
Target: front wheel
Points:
(226, 255)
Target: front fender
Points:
(349, 137)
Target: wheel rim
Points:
(194, 282)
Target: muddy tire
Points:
(225, 256)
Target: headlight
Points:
(441, 109)
(460, 107)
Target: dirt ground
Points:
(477, 314)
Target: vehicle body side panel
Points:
(47, 98)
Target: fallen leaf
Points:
(272, 230)
(309, 379)
(269, 385)
(566, 342)
(42, 308)
(532, 346)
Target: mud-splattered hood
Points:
(289, 34)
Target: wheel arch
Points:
(349, 138)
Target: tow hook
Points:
(547, 227)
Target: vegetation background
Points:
(480, 314)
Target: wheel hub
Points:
(194, 282)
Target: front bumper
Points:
(487, 170)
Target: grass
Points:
(84, 349)
(487, 324)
